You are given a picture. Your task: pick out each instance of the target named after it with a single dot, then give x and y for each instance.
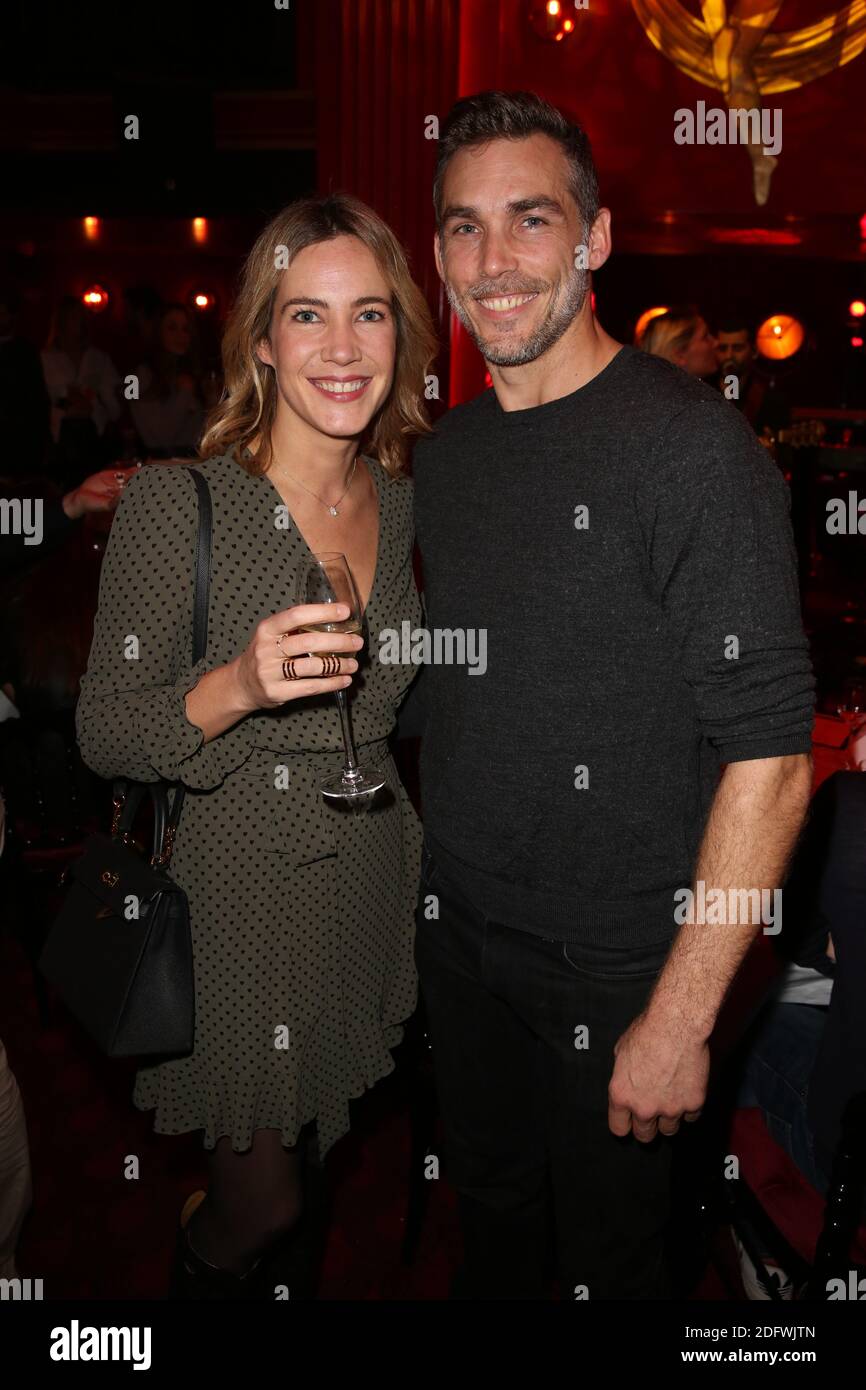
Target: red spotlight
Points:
(856, 342)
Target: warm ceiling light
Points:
(199, 229)
(547, 19)
(95, 297)
(202, 300)
(857, 308)
(780, 336)
(646, 317)
(91, 228)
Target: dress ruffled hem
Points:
(329, 1131)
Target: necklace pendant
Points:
(333, 511)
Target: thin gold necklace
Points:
(331, 506)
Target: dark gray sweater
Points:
(610, 643)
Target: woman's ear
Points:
(263, 352)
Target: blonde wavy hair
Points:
(249, 402)
(668, 335)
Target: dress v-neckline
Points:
(372, 469)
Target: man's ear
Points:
(600, 240)
(437, 256)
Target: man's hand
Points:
(658, 1080)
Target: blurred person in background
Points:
(169, 413)
(143, 308)
(757, 396)
(100, 492)
(41, 772)
(681, 336)
(16, 1184)
(83, 388)
(47, 605)
(804, 1056)
(23, 397)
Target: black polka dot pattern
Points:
(302, 913)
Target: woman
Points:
(82, 385)
(169, 413)
(682, 337)
(302, 913)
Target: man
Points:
(755, 396)
(622, 540)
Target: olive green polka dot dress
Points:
(302, 912)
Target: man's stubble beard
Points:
(541, 339)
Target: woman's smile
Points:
(342, 389)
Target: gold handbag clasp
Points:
(111, 878)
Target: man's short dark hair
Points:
(736, 323)
(493, 115)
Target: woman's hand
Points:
(98, 493)
(259, 670)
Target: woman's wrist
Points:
(71, 505)
(239, 700)
(217, 701)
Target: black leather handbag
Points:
(120, 951)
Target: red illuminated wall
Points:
(390, 62)
(610, 77)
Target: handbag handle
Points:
(126, 803)
(126, 806)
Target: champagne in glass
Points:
(852, 702)
(326, 578)
(852, 708)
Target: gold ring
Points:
(280, 642)
(289, 672)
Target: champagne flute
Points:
(852, 708)
(326, 578)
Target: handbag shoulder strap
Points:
(201, 604)
(204, 542)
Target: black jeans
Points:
(522, 1031)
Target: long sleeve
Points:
(131, 717)
(716, 514)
